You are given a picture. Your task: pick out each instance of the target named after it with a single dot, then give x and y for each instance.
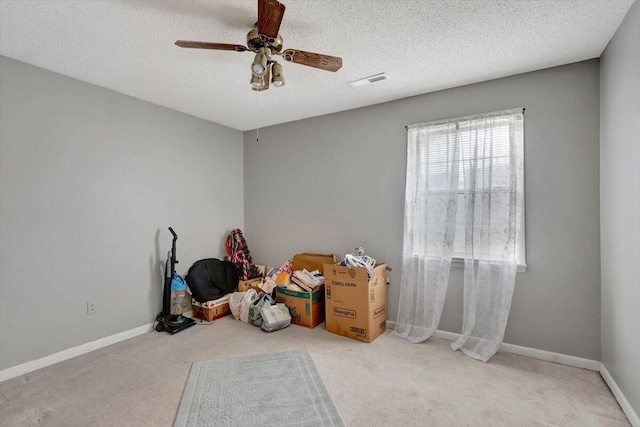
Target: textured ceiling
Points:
(423, 46)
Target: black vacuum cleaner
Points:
(165, 321)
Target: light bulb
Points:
(277, 78)
(259, 65)
(257, 82)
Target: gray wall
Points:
(90, 180)
(330, 183)
(620, 206)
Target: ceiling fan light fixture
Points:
(259, 65)
(277, 78)
(257, 82)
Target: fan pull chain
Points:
(257, 118)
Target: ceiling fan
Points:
(265, 42)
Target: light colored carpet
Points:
(389, 382)
(274, 389)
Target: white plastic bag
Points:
(234, 303)
(255, 318)
(242, 302)
(275, 317)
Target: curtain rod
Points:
(463, 118)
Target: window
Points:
(479, 160)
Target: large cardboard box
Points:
(306, 308)
(211, 310)
(356, 306)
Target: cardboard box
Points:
(312, 262)
(306, 308)
(211, 310)
(356, 306)
(245, 285)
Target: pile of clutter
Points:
(348, 293)
(294, 280)
(269, 302)
(212, 284)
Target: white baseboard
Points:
(562, 359)
(622, 400)
(33, 365)
(549, 356)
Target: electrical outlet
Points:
(91, 307)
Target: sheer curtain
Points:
(492, 171)
(431, 199)
(464, 198)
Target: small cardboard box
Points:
(356, 306)
(306, 308)
(211, 310)
(245, 285)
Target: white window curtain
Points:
(433, 155)
(464, 196)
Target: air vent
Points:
(368, 80)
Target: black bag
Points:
(210, 279)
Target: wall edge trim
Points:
(549, 356)
(33, 365)
(620, 397)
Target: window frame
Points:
(457, 260)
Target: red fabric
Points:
(240, 255)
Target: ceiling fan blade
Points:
(270, 13)
(207, 45)
(316, 60)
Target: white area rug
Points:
(280, 389)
